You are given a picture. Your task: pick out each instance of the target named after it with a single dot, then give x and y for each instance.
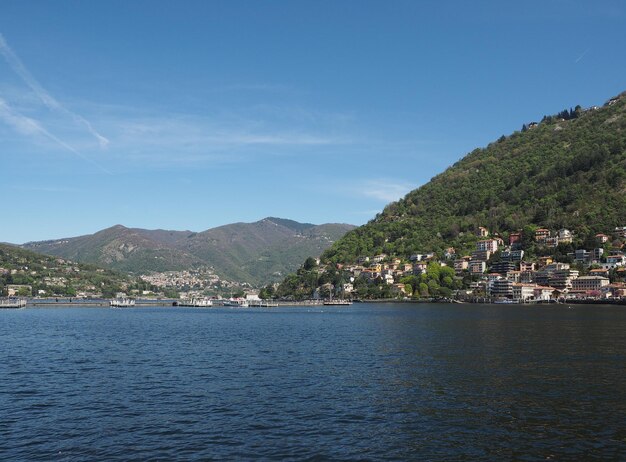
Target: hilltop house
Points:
(602, 238)
(565, 236)
(482, 232)
(515, 238)
(487, 245)
(378, 258)
(541, 235)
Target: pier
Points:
(13, 303)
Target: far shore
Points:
(146, 303)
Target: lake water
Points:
(366, 382)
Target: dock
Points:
(12, 303)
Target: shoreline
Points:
(101, 303)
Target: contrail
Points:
(18, 67)
(582, 56)
(29, 126)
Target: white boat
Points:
(262, 303)
(337, 302)
(122, 303)
(240, 302)
(196, 302)
(14, 303)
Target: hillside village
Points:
(499, 269)
(27, 274)
(198, 282)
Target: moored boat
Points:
(262, 303)
(337, 302)
(122, 303)
(199, 302)
(239, 302)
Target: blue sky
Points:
(190, 115)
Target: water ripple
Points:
(372, 382)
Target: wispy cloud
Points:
(185, 139)
(46, 98)
(383, 190)
(30, 127)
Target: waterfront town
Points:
(197, 282)
(498, 270)
(45, 277)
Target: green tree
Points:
(310, 263)
(24, 292)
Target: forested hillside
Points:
(31, 274)
(567, 171)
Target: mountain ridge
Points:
(259, 252)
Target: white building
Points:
(592, 283)
(487, 245)
(523, 292)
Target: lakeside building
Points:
(502, 288)
(523, 292)
(590, 283)
(562, 279)
(543, 293)
(509, 276)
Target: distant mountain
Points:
(123, 249)
(257, 253)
